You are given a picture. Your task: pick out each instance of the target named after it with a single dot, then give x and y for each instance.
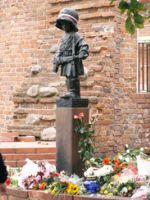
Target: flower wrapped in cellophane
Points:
(36, 175)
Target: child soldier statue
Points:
(71, 52)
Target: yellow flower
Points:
(53, 185)
(54, 188)
(115, 191)
(101, 191)
(115, 177)
(102, 188)
(72, 189)
(53, 192)
(106, 192)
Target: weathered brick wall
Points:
(146, 30)
(17, 194)
(132, 108)
(28, 37)
(125, 109)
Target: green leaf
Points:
(89, 126)
(129, 25)
(138, 19)
(139, 25)
(136, 6)
(123, 5)
(141, 7)
(134, 3)
(112, 1)
(91, 132)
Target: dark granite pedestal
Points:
(67, 156)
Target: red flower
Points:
(106, 161)
(117, 163)
(57, 174)
(122, 166)
(8, 181)
(54, 174)
(42, 186)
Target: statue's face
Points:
(66, 26)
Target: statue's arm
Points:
(83, 49)
(59, 60)
(56, 61)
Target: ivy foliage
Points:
(86, 140)
(136, 13)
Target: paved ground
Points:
(27, 144)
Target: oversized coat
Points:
(71, 44)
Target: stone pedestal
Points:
(67, 156)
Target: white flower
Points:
(97, 172)
(142, 149)
(127, 159)
(92, 159)
(90, 172)
(126, 176)
(49, 168)
(106, 169)
(75, 179)
(120, 157)
(124, 189)
(128, 150)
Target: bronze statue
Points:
(71, 52)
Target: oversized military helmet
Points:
(67, 14)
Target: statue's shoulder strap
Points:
(75, 39)
(73, 45)
(66, 42)
(78, 37)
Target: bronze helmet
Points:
(70, 15)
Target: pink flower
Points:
(133, 167)
(81, 114)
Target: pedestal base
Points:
(73, 103)
(67, 156)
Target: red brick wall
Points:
(146, 30)
(28, 36)
(17, 194)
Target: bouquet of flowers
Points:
(13, 176)
(36, 175)
(72, 185)
(125, 174)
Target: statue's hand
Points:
(82, 55)
(66, 59)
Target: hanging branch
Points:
(136, 12)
